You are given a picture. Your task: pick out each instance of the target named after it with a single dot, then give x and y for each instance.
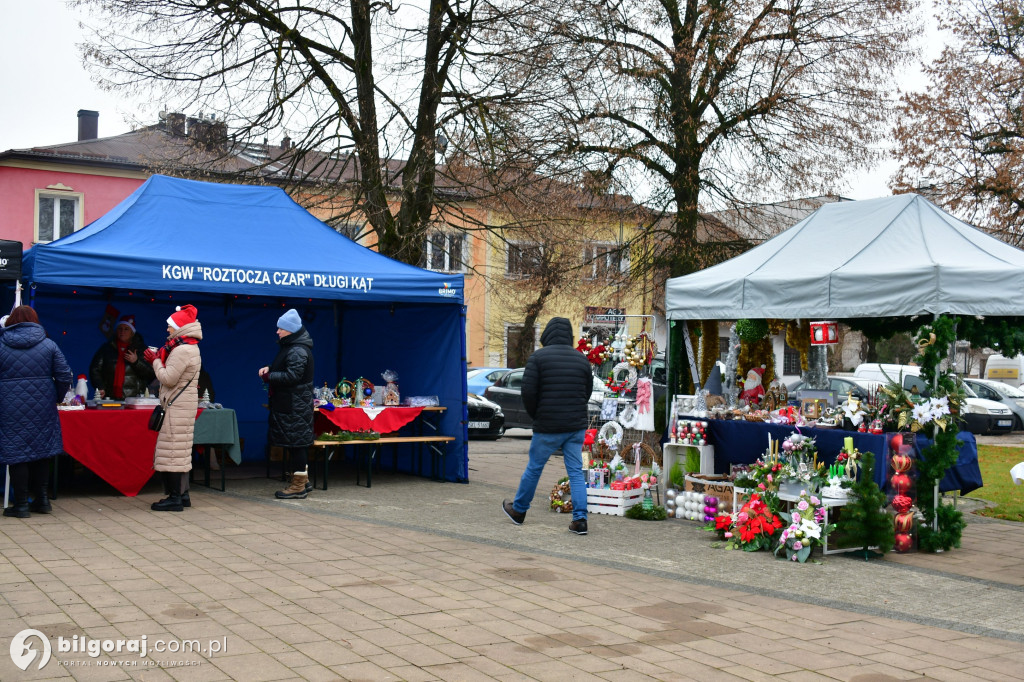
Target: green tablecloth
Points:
(219, 428)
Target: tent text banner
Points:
(277, 278)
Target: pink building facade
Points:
(43, 200)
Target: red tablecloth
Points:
(116, 445)
(384, 420)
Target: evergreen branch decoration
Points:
(934, 342)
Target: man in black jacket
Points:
(557, 384)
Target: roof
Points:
(185, 235)
(895, 256)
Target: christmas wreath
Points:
(561, 496)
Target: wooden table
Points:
(408, 426)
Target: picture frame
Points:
(810, 408)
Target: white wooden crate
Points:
(612, 502)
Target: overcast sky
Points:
(45, 86)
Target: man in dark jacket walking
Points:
(290, 376)
(557, 384)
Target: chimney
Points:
(176, 124)
(88, 124)
(286, 143)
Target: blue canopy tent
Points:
(243, 255)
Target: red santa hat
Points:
(127, 320)
(186, 314)
(758, 370)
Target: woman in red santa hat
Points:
(177, 367)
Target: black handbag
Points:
(156, 419)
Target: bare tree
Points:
(703, 105)
(365, 91)
(964, 136)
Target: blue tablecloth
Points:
(743, 442)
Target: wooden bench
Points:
(432, 443)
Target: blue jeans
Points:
(542, 445)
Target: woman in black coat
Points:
(290, 376)
(34, 376)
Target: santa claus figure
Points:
(752, 388)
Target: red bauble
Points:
(902, 503)
(904, 523)
(900, 482)
(896, 442)
(902, 463)
(903, 542)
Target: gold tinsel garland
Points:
(798, 337)
(709, 331)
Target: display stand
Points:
(827, 503)
(677, 451)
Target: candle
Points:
(848, 444)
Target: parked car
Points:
(507, 392)
(843, 386)
(486, 420)
(479, 378)
(1012, 397)
(980, 416)
(1006, 370)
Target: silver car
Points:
(1012, 397)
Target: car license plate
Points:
(479, 425)
(1004, 422)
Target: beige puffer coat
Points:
(174, 444)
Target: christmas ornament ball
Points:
(903, 542)
(671, 494)
(902, 503)
(670, 503)
(904, 522)
(680, 512)
(901, 462)
(900, 482)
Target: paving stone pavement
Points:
(418, 580)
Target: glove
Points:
(149, 356)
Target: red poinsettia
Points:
(752, 528)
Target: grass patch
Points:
(995, 462)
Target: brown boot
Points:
(296, 490)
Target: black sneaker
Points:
(517, 517)
(579, 526)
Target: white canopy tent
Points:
(889, 257)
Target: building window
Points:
(57, 215)
(444, 252)
(723, 348)
(790, 360)
(603, 262)
(523, 259)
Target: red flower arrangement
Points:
(595, 354)
(752, 528)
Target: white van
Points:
(1006, 370)
(980, 416)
